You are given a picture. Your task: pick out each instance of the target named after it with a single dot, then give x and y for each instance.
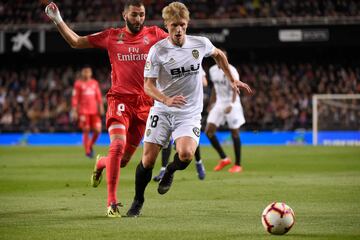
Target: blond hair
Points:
(175, 11)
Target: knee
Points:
(124, 161)
(148, 160)
(234, 134)
(186, 154)
(209, 132)
(97, 130)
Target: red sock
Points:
(116, 152)
(86, 141)
(129, 150)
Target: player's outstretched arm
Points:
(151, 90)
(74, 40)
(221, 60)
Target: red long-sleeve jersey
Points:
(127, 53)
(86, 96)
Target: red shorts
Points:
(132, 112)
(89, 121)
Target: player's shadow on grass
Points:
(104, 217)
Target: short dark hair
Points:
(85, 66)
(137, 3)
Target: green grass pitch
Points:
(45, 193)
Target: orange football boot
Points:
(222, 163)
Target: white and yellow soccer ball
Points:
(278, 218)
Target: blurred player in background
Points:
(225, 105)
(87, 108)
(166, 152)
(128, 105)
(173, 79)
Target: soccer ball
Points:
(278, 218)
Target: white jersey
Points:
(223, 89)
(178, 71)
(224, 95)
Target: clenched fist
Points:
(53, 13)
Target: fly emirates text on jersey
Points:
(133, 55)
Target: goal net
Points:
(336, 119)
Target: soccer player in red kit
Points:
(87, 108)
(128, 105)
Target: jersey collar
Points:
(176, 46)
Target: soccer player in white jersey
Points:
(173, 80)
(166, 152)
(227, 107)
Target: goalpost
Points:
(336, 112)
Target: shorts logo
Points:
(195, 53)
(120, 109)
(148, 132)
(196, 131)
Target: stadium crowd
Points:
(28, 12)
(284, 92)
(38, 99)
